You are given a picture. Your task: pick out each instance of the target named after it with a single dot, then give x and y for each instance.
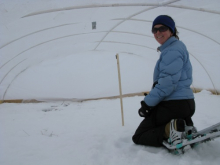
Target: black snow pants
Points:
(151, 130)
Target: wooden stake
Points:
(120, 90)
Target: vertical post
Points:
(120, 90)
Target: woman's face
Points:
(161, 37)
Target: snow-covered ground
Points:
(48, 49)
(90, 133)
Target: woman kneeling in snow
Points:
(170, 103)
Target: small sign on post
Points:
(93, 25)
(120, 90)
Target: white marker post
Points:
(119, 80)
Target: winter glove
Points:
(145, 110)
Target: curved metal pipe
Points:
(123, 5)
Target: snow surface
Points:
(48, 49)
(90, 133)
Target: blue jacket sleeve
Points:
(167, 73)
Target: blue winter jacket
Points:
(172, 74)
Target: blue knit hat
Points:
(165, 20)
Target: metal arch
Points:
(167, 3)
(132, 19)
(122, 52)
(205, 72)
(200, 34)
(12, 69)
(119, 24)
(129, 18)
(47, 42)
(12, 82)
(193, 8)
(6, 90)
(51, 41)
(61, 38)
(129, 44)
(89, 6)
(189, 53)
(108, 42)
(91, 33)
(34, 33)
(121, 5)
(137, 45)
(142, 11)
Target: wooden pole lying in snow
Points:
(119, 80)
